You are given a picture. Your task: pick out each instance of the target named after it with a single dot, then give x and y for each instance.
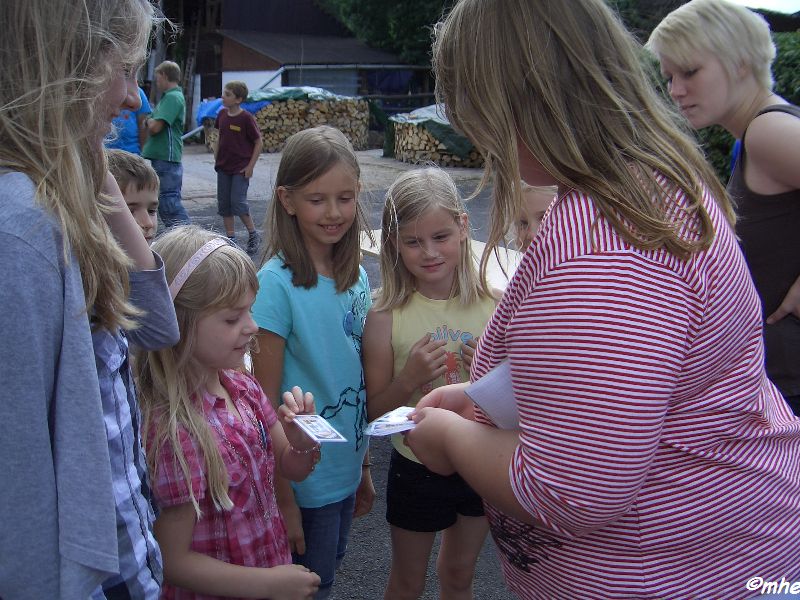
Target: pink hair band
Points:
(191, 264)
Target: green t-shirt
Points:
(167, 143)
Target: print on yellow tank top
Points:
(443, 319)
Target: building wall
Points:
(253, 79)
(236, 57)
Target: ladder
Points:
(189, 66)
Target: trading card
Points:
(394, 421)
(318, 429)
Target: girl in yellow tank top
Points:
(419, 335)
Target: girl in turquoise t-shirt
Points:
(310, 309)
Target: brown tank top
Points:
(769, 230)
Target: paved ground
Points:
(366, 566)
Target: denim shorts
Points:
(326, 530)
(418, 499)
(232, 195)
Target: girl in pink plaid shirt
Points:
(213, 438)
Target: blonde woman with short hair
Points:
(653, 457)
(716, 57)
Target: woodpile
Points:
(414, 144)
(282, 118)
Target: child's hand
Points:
(365, 495)
(468, 352)
(291, 582)
(296, 403)
(425, 362)
(111, 189)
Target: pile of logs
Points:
(415, 144)
(280, 119)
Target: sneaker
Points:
(232, 239)
(253, 240)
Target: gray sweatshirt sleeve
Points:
(57, 520)
(158, 326)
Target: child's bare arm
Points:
(385, 392)
(198, 572)
(154, 126)
(248, 170)
(268, 370)
(141, 129)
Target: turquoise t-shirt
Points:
(323, 330)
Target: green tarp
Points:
(431, 118)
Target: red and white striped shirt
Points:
(661, 459)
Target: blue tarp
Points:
(209, 108)
(258, 99)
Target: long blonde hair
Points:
(567, 80)
(410, 196)
(309, 154)
(171, 382)
(59, 57)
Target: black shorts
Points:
(419, 500)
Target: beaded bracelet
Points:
(303, 452)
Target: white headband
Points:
(191, 264)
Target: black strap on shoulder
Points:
(784, 108)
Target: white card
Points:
(394, 421)
(318, 429)
(494, 394)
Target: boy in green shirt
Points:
(164, 147)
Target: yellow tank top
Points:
(443, 319)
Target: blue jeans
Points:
(170, 176)
(326, 530)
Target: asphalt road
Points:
(365, 568)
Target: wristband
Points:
(366, 465)
(313, 452)
(304, 452)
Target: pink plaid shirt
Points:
(252, 533)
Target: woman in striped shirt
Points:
(654, 458)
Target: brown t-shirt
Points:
(237, 138)
(769, 231)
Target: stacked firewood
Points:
(282, 118)
(414, 144)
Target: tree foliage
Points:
(402, 27)
(642, 16)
